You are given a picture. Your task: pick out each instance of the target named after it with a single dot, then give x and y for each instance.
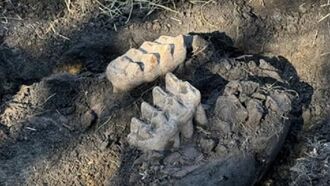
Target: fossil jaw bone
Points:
(145, 64)
(160, 127)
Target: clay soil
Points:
(69, 129)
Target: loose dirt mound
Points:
(71, 129)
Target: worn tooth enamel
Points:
(134, 125)
(200, 116)
(156, 137)
(117, 72)
(159, 96)
(172, 117)
(148, 65)
(177, 41)
(148, 111)
(166, 61)
(188, 94)
(145, 64)
(140, 128)
(178, 47)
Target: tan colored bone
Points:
(122, 72)
(188, 94)
(174, 115)
(166, 60)
(177, 111)
(145, 64)
(179, 50)
(155, 135)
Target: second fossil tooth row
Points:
(173, 112)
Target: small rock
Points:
(172, 158)
(190, 153)
(255, 111)
(67, 111)
(230, 109)
(306, 115)
(265, 65)
(222, 126)
(258, 95)
(156, 26)
(252, 65)
(221, 149)
(278, 102)
(3, 136)
(88, 119)
(207, 144)
(104, 145)
(185, 170)
(134, 178)
(148, 26)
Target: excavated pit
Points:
(250, 101)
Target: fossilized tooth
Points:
(148, 62)
(160, 127)
(189, 95)
(177, 44)
(149, 112)
(183, 90)
(140, 129)
(171, 105)
(153, 59)
(166, 61)
(177, 111)
(156, 135)
(132, 69)
(121, 71)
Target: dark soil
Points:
(69, 129)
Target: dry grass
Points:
(118, 8)
(76, 12)
(81, 11)
(313, 164)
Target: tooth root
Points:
(176, 143)
(135, 125)
(187, 130)
(200, 116)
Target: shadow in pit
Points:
(32, 9)
(54, 120)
